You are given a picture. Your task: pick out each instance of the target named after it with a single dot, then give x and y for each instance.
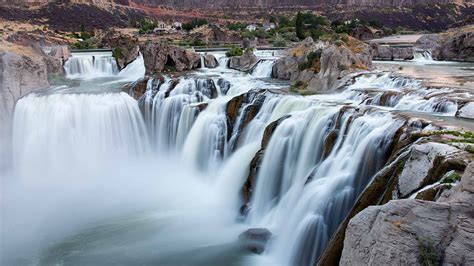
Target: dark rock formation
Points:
(362, 33)
(224, 85)
(159, 57)
(255, 239)
(210, 61)
(244, 63)
(124, 47)
(287, 66)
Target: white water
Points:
(100, 65)
(96, 181)
(422, 57)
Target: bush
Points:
(117, 53)
(279, 42)
(234, 51)
(428, 256)
(194, 24)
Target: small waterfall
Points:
(203, 61)
(263, 69)
(133, 71)
(90, 66)
(422, 56)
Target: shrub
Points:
(117, 52)
(450, 177)
(428, 256)
(234, 51)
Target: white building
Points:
(251, 27)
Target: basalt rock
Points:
(389, 53)
(245, 63)
(414, 232)
(466, 111)
(210, 61)
(160, 57)
(224, 85)
(124, 47)
(20, 74)
(255, 239)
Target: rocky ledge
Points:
(456, 45)
(318, 67)
(160, 57)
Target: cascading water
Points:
(421, 56)
(90, 66)
(100, 178)
(263, 69)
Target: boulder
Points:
(287, 66)
(337, 62)
(160, 57)
(210, 61)
(430, 42)
(245, 63)
(362, 32)
(466, 111)
(60, 53)
(413, 232)
(418, 167)
(224, 85)
(124, 47)
(255, 239)
(21, 74)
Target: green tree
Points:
(299, 26)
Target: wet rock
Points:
(466, 111)
(124, 47)
(160, 57)
(430, 42)
(245, 63)
(224, 85)
(210, 61)
(136, 89)
(255, 239)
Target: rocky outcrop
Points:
(413, 232)
(124, 47)
(210, 61)
(160, 57)
(286, 67)
(466, 111)
(390, 53)
(245, 63)
(20, 74)
(362, 32)
(450, 46)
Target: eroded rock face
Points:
(210, 61)
(244, 63)
(337, 62)
(159, 57)
(412, 232)
(388, 53)
(418, 166)
(20, 75)
(124, 47)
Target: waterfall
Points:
(89, 66)
(59, 130)
(263, 69)
(299, 190)
(97, 65)
(402, 93)
(421, 56)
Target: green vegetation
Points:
(117, 53)
(194, 24)
(144, 25)
(312, 60)
(451, 177)
(428, 256)
(299, 26)
(85, 39)
(239, 26)
(234, 51)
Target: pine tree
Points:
(299, 26)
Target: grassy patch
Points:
(450, 177)
(428, 255)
